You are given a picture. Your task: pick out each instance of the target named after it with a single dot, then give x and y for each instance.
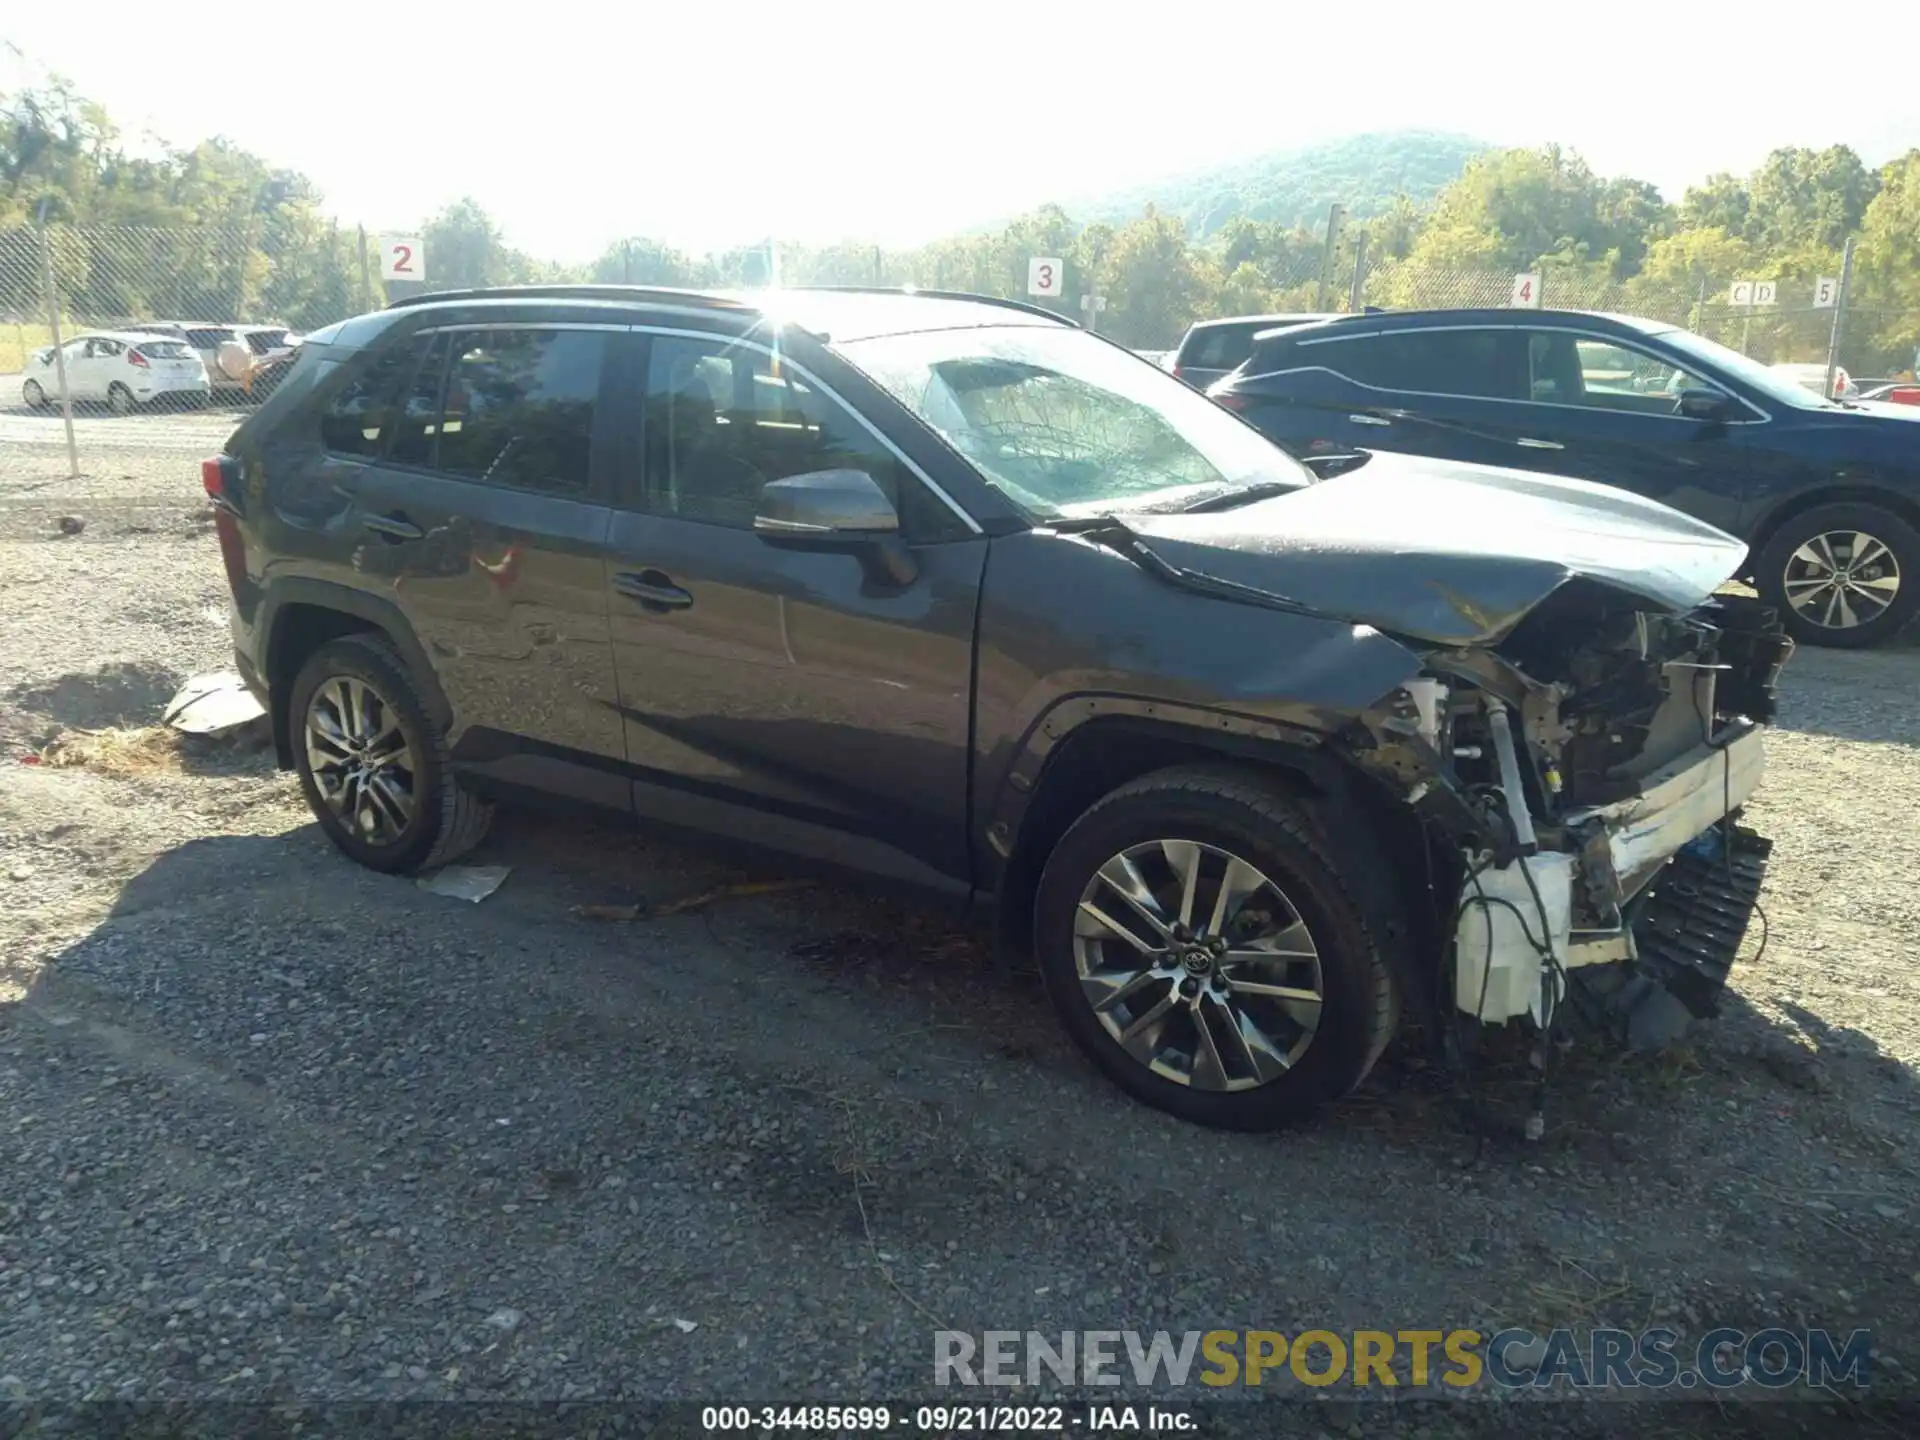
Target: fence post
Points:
(59, 352)
(366, 276)
(1839, 315)
(1335, 215)
(1357, 295)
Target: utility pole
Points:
(1336, 218)
(1839, 315)
(59, 351)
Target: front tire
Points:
(1199, 946)
(1845, 575)
(373, 763)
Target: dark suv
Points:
(956, 592)
(1826, 493)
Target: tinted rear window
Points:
(208, 338)
(1489, 363)
(1221, 347)
(163, 350)
(261, 341)
(360, 417)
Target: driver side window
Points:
(722, 419)
(1567, 369)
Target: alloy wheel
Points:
(363, 763)
(1198, 965)
(1842, 578)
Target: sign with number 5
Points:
(403, 258)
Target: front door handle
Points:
(654, 590)
(1539, 444)
(394, 527)
(1378, 420)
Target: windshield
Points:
(1770, 383)
(1067, 425)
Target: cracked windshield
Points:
(1067, 427)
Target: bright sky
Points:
(705, 124)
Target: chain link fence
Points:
(204, 284)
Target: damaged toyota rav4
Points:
(1258, 761)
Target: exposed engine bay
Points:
(1587, 773)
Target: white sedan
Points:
(124, 369)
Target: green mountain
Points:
(1295, 187)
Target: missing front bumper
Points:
(1657, 864)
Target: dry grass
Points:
(19, 341)
(124, 753)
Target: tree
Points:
(468, 250)
(1801, 199)
(1154, 287)
(1887, 267)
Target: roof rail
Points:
(571, 292)
(942, 295)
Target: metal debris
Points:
(212, 704)
(472, 883)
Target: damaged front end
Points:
(1587, 773)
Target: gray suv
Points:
(1253, 760)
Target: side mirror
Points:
(1325, 466)
(837, 511)
(1703, 405)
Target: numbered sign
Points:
(1526, 292)
(1046, 276)
(402, 257)
(1825, 291)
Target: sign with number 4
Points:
(403, 258)
(1046, 276)
(1526, 292)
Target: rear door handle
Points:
(653, 590)
(1370, 420)
(394, 527)
(1539, 444)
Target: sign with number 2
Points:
(403, 258)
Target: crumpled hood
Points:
(1450, 553)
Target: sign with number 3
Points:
(403, 258)
(1044, 277)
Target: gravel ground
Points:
(274, 1126)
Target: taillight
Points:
(1231, 401)
(137, 360)
(216, 476)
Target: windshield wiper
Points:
(1245, 495)
(1118, 537)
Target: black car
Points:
(958, 593)
(1212, 349)
(1826, 494)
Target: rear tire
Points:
(385, 822)
(1842, 563)
(120, 399)
(1251, 1060)
(33, 395)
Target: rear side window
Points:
(209, 338)
(519, 408)
(163, 350)
(1221, 347)
(361, 418)
(1485, 364)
